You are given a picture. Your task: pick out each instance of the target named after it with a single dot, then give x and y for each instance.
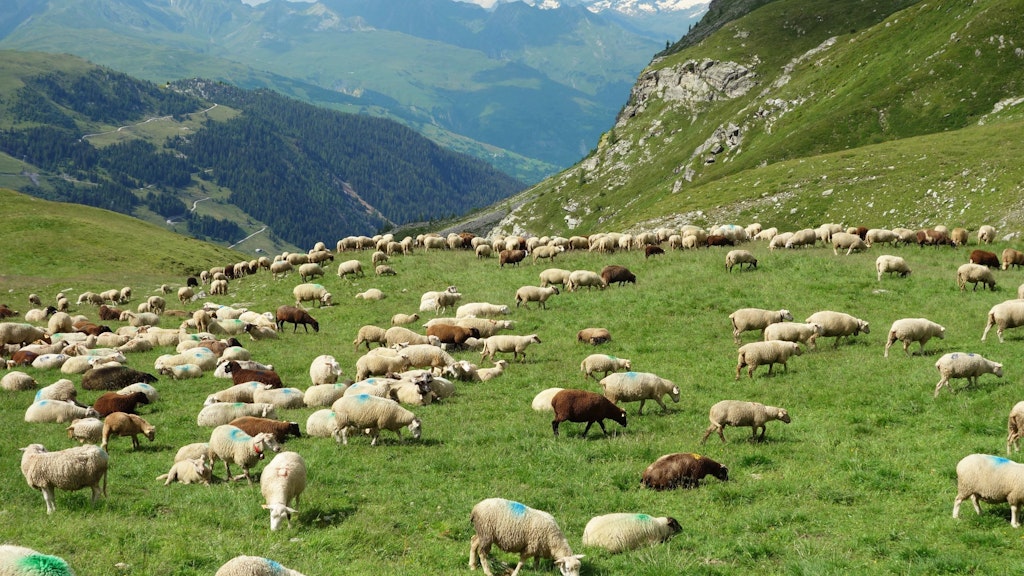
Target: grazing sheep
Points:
(353, 267)
(487, 327)
(1005, 315)
(312, 292)
(552, 276)
(624, 531)
(484, 251)
(880, 236)
(800, 238)
(281, 429)
(295, 316)
(975, 273)
(986, 234)
(961, 365)
(769, 352)
(254, 566)
(909, 330)
(1015, 427)
(322, 424)
(580, 278)
(992, 479)
(984, 258)
(122, 424)
(584, 406)
(740, 257)
(515, 527)
(371, 294)
(848, 242)
(114, 378)
(185, 294)
(281, 268)
(310, 270)
(283, 398)
(110, 402)
(526, 294)
(618, 275)
(402, 319)
(508, 343)
(603, 363)
(19, 333)
(741, 413)
(71, 469)
(794, 332)
(223, 412)
(594, 336)
(746, 319)
(86, 430)
(57, 411)
(891, 264)
(400, 335)
(19, 561)
(510, 257)
(378, 365)
(364, 411)
(230, 444)
(451, 334)
(282, 481)
(838, 324)
(189, 471)
(642, 386)
(15, 381)
(439, 301)
(684, 469)
(368, 334)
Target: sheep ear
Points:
(266, 507)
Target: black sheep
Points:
(114, 378)
(684, 469)
(617, 274)
(584, 406)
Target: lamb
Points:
(254, 566)
(114, 378)
(281, 429)
(378, 365)
(322, 424)
(241, 375)
(71, 469)
(19, 333)
(542, 401)
(684, 469)
(526, 294)
(794, 332)
(485, 374)
(603, 363)
(86, 430)
(848, 242)
(223, 412)
(740, 257)
(1006, 314)
(364, 411)
(110, 402)
(580, 278)
(189, 471)
(312, 292)
(480, 309)
(402, 319)
(886, 263)
(295, 316)
(122, 424)
(508, 343)
(1010, 257)
(16, 381)
(57, 411)
(746, 319)
(642, 386)
(371, 294)
(975, 273)
(992, 479)
(368, 334)
(909, 330)
(514, 527)
(617, 274)
(584, 406)
(552, 276)
(741, 413)
(353, 267)
(230, 444)
(594, 336)
(192, 451)
(282, 481)
(770, 352)
(838, 324)
(624, 531)
(961, 365)
(283, 398)
(20, 561)
(1015, 427)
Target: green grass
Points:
(861, 481)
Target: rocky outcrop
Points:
(689, 83)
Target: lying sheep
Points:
(57, 411)
(16, 381)
(240, 375)
(642, 386)
(909, 330)
(742, 413)
(527, 294)
(486, 374)
(237, 393)
(515, 527)
(508, 343)
(182, 371)
(380, 364)
(584, 406)
(189, 471)
(1005, 315)
(961, 365)
(230, 444)
(254, 566)
(86, 430)
(283, 398)
(794, 332)
(439, 301)
(594, 336)
(20, 561)
(480, 310)
(71, 469)
(371, 294)
(364, 411)
(770, 352)
(121, 424)
(684, 469)
(114, 377)
(740, 257)
(322, 424)
(19, 333)
(282, 481)
(992, 479)
(221, 413)
(192, 451)
(975, 274)
(323, 394)
(624, 531)
(1015, 427)
(402, 319)
(62, 389)
(887, 263)
(838, 324)
(746, 319)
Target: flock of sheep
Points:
(409, 369)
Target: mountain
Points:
(527, 89)
(797, 112)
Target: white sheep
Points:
(743, 413)
(16, 381)
(527, 294)
(182, 371)
(642, 386)
(623, 531)
(380, 364)
(86, 430)
(312, 293)
(192, 451)
(746, 319)
(370, 333)
(580, 278)
(1006, 314)
(353, 267)
(838, 325)
(398, 335)
(62, 389)
(603, 363)
(223, 412)
(20, 561)
(57, 411)
(485, 374)
(283, 398)
(185, 294)
(986, 234)
(402, 319)
(517, 528)
(806, 333)
(769, 352)
(238, 393)
(552, 276)
(487, 327)
(779, 240)
(230, 444)
(59, 322)
(1015, 427)
(887, 263)
(71, 469)
(49, 361)
(427, 356)
(848, 242)
(322, 424)
(282, 481)
(254, 566)
(800, 238)
(964, 365)
(992, 479)
(740, 257)
(481, 309)
(371, 294)
(146, 389)
(323, 394)
(324, 369)
(974, 274)
(438, 301)
(542, 401)
(909, 330)
(310, 270)
(189, 471)
(508, 343)
(880, 236)
(364, 411)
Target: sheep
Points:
(755, 319)
(484, 251)
(37, 315)
(310, 270)
(403, 319)
(594, 336)
(992, 479)
(961, 365)
(439, 301)
(1010, 257)
(975, 273)
(16, 381)
(986, 234)
(515, 527)
(324, 369)
(241, 375)
(486, 374)
(322, 424)
(364, 411)
(182, 371)
(20, 333)
(481, 309)
(295, 316)
(848, 242)
(378, 365)
(312, 292)
(617, 274)
(281, 268)
(624, 531)
(778, 241)
(427, 356)
(892, 264)
(71, 469)
(323, 394)
(192, 451)
(452, 334)
(684, 469)
(186, 293)
(281, 429)
(113, 378)
(371, 294)
(642, 386)
(57, 411)
(237, 393)
(794, 332)
(1015, 427)
(740, 257)
(1006, 314)
(379, 387)
(880, 236)
(805, 237)
(909, 330)
(20, 561)
(510, 257)
(526, 294)
(770, 352)
(282, 481)
(110, 402)
(552, 276)
(487, 327)
(256, 332)
(49, 361)
(219, 413)
(984, 258)
(838, 324)
(580, 278)
(399, 335)
(230, 444)
(508, 343)
(283, 398)
(59, 322)
(62, 389)
(86, 430)
(584, 406)
(123, 424)
(741, 413)
(189, 471)
(353, 267)
(603, 363)
(370, 333)
(254, 566)
(542, 401)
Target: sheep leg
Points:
(554, 426)
(522, 560)
(640, 411)
(977, 507)
(601, 424)
(1013, 516)
(473, 543)
(51, 505)
(587, 429)
(944, 381)
(708, 432)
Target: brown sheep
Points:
(617, 274)
(109, 313)
(22, 358)
(652, 250)
(717, 240)
(296, 316)
(241, 375)
(985, 258)
(121, 424)
(932, 237)
(684, 469)
(511, 257)
(452, 334)
(91, 328)
(253, 425)
(219, 346)
(111, 402)
(594, 336)
(584, 406)
(6, 312)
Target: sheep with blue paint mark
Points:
(254, 566)
(623, 531)
(517, 528)
(230, 444)
(992, 479)
(639, 386)
(964, 365)
(367, 412)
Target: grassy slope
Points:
(861, 481)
